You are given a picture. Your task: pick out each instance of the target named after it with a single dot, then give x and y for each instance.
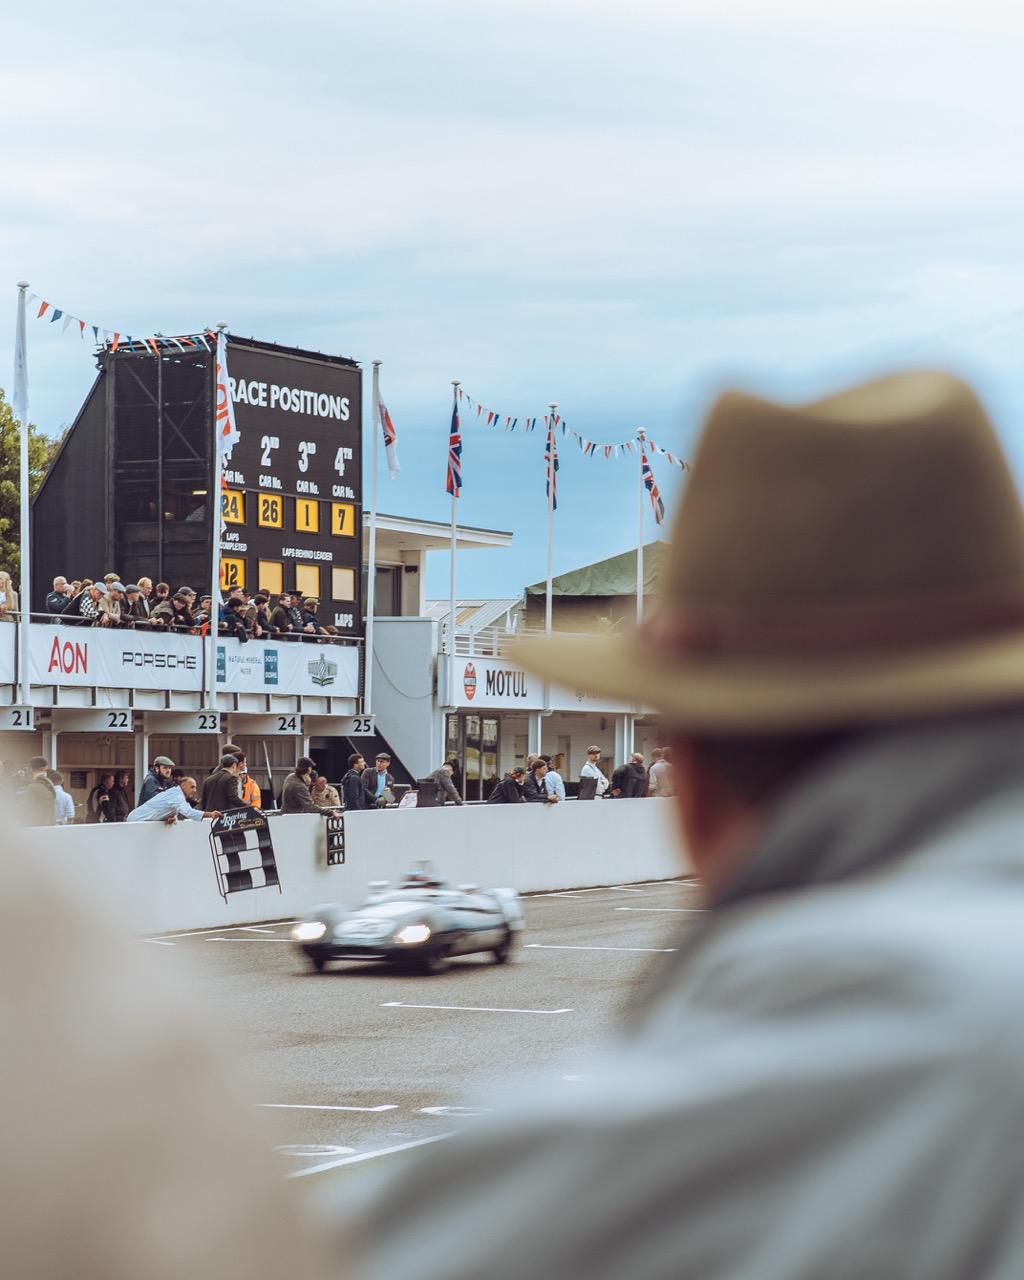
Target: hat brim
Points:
(726, 695)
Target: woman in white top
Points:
(8, 598)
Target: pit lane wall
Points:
(161, 879)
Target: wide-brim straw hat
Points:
(852, 561)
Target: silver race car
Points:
(421, 921)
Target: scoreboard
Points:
(292, 489)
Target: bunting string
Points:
(115, 338)
(589, 448)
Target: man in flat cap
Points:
(222, 790)
(157, 779)
(378, 782)
(827, 1077)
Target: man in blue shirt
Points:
(170, 805)
(553, 779)
(377, 782)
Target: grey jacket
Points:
(444, 783)
(295, 796)
(827, 1079)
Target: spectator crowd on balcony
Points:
(110, 603)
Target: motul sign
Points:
(469, 681)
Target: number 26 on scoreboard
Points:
(271, 512)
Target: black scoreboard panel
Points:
(292, 495)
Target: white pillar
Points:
(535, 732)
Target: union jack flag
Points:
(652, 488)
(454, 452)
(551, 466)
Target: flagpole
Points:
(640, 531)
(21, 407)
(451, 613)
(551, 515)
(215, 521)
(371, 566)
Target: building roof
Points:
(399, 533)
(615, 576)
(475, 615)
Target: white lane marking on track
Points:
(304, 1106)
(620, 888)
(552, 946)
(248, 939)
(686, 911)
(314, 1149)
(455, 1111)
(367, 1155)
(466, 1008)
(226, 928)
(258, 928)
(157, 942)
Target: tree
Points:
(41, 452)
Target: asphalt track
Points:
(362, 1062)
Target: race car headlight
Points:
(413, 933)
(309, 931)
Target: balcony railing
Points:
(144, 659)
(486, 642)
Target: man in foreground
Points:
(827, 1076)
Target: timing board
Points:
(292, 489)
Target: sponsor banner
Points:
(497, 684)
(116, 659)
(327, 670)
(563, 698)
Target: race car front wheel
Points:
(436, 960)
(503, 951)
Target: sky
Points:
(620, 209)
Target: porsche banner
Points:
(115, 659)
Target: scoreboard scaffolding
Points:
(130, 490)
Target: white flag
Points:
(21, 366)
(390, 439)
(227, 432)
